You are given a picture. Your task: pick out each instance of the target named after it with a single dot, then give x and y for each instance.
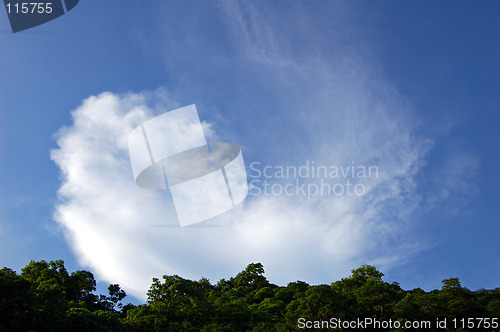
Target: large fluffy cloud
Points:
(129, 235)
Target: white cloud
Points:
(116, 228)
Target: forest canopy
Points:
(46, 297)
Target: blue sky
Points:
(410, 87)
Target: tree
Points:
(79, 287)
(176, 304)
(45, 297)
(116, 295)
(461, 302)
(15, 301)
(320, 302)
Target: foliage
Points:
(45, 297)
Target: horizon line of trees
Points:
(45, 297)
